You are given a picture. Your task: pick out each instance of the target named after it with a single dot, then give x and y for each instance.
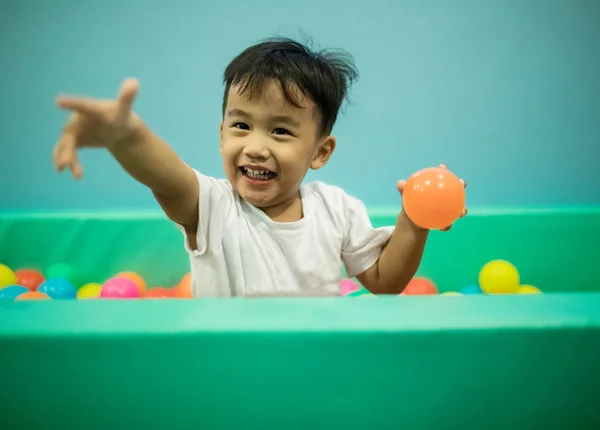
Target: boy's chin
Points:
(256, 197)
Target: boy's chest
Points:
(298, 262)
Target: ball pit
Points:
(59, 282)
(495, 277)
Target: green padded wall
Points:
(556, 249)
(437, 362)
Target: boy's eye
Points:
(241, 126)
(281, 131)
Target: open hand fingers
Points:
(127, 94)
(83, 105)
(65, 155)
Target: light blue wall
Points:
(506, 92)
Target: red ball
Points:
(419, 286)
(29, 278)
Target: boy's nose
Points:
(256, 150)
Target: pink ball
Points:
(120, 288)
(348, 286)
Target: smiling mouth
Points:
(258, 174)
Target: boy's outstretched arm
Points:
(111, 124)
(400, 257)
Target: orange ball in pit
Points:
(136, 279)
(419, 286)
(184, 288)
(29, 278)
(433, 198)
(159, 293)
(33, 295)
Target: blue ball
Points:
(11, 292)
(58, 288)
(471, 289)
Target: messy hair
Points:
(322, 76)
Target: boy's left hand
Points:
(401, 183)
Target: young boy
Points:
(260, 232)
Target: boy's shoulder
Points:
(332, 197)
(324, 189)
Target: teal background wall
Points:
(507, 93)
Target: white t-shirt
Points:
(242, 252)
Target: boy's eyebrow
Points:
(237, 112)
(279, 118)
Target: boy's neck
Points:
(288, 211)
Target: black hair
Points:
(323, 76)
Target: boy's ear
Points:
(324, 150)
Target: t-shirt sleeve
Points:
(362, 244)
(216, 201)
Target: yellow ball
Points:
(89, 291)
(7, 276)
(451, 293)
(499, 277)
(528, 289)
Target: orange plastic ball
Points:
(184, 288)
(433, 198)
(33, 295)
(159, 293)
(419, 286)
(29, 278)
(136, 279)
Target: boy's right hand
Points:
(96, 123)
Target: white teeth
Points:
(257, 174)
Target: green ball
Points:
(60, 270)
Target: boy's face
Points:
(268, 145)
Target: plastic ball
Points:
(33, 295)
(135, 278)
(451, 293)
(499, 277)
(420, 286)
(29, 278)
(7, 276)
(528, 289)
(58, 288)
(471, 289)
(183, 290)
(120, 288)
(159, 293)
(60, 270)
(347, 286)
(90, 290)
(11, 292)
(433, 198)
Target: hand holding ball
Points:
(434, 198)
